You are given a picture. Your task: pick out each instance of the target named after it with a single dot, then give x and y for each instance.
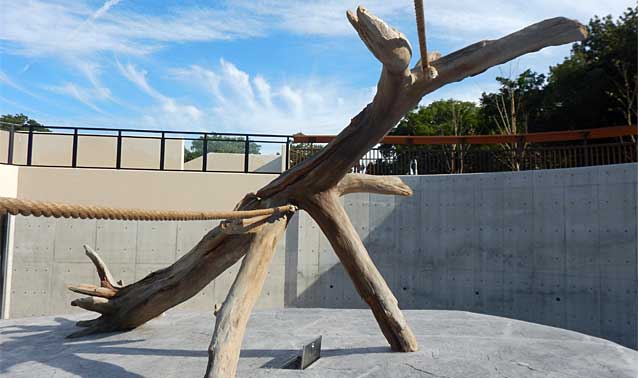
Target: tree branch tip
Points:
(352, 17)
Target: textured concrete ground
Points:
(452, 344)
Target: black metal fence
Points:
(446, 159)
(246, 144)
(382, 160)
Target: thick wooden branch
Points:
(233, 316)
(315, 185)
(93, 290)
(399, 92)
(106, 278)
(361, 183)
(477, 58)
(331, 217)
(387, 44)
(96, 304)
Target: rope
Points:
(420, 29)
(16, 206)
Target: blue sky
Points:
(235, 66)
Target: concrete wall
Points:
(139, 189)
(48, 255)
(556, 247)
(93, 151)
(8, 181)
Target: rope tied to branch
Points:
(419, 11)
(16, 206)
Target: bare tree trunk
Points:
(314, 185)
(233, 316)
(326, 210)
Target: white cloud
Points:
(63, 27)
(81, 94)
(85, 38)
(453, 20)
(74, 28)
(169, 112)
(6, 80)
(238, 103)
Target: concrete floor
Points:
(452, 344)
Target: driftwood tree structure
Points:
(315, 186)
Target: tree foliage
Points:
(220, 144)
(21, 122)
(595, 86)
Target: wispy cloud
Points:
(239, 101)
(169, 111)
(84, 95)
(84, 37)
(6, 80)
(122, 31)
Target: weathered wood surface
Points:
(314, 185)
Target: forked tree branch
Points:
(361, 183)
(313, 185)
(399, 91)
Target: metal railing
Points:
(207, 139)
(397, 155)
(423, 155)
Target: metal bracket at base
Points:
(310, 353)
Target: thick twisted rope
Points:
(420, 30)
(429, 71)
(16, 206)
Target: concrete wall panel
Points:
(70, 236)
(554, 247)
(156, 242)
(116, 241)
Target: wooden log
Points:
(314, 185)
(327, 211)
(232, 318)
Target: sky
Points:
(242, 66)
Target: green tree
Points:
(597, 84)
(21, 122)
(510, 111)
(219, 144)
(442, 117)
(517, 103)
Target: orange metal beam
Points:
(552, 136)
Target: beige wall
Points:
(8, 181)
(138, 189)
(235, 162)
(93, 151)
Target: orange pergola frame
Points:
(551, 136)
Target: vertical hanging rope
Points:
(429, 72)
(420, 29)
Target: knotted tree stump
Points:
(315, 186)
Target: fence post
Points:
(287, 153)
(118, 153)
(74, 156)
(12, 130)
(246, 153)
(7, 225)
(205, 153)
(30, 145)
(585, 150)
(162, 151)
